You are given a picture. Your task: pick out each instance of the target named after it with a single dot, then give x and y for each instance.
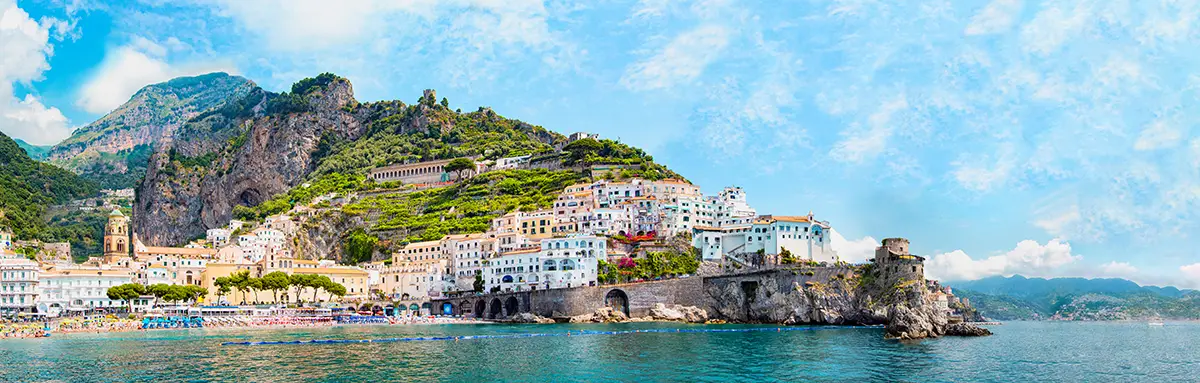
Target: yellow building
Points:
(355, 280)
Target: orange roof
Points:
(521, 251)
(788, 218)
(178, 251)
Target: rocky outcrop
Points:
(964, 329)
(274, 153)
(530, 318)
(677, 313)
(832, 295)
(602, 315)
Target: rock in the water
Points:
(964, 329)
(529, 318)
(602, 315)
(662, 312)
(908, 323)
(690, 314)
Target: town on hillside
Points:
(600, 232)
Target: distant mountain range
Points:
(34, 151)
(1018, 297)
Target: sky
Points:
(1041, 138)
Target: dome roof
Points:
(116, 213)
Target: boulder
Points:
(964, 329)
(677, 313)
(602, 315)
(529, 318)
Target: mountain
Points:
(1018, 297)
(113, 151)
(28, 187)
(266, 153)
(34, 151)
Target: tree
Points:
(223, 287)
(241, 281)
(320, 282)
(445, 103)
(300, 281)
(478, 285)
(275, 281)
(336, 290)
(159, 291)
(192, 292)
(255, 284)
(360, 246)
(460, 165)
(581, 149)
(126, 292)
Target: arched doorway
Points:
(511, 306)
(496, 309)
(617, 300)
(447, 308)
(479, 308)
(465, 308)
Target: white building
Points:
(466, 254)
(582, 135)
(218, 237)
(80, 289)
(18, 283)
(804, 237)
(570, 261)
(518, 270)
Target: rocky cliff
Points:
(103, 149)
(850, 295)
(193, 186)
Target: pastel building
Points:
(74, 289)
(18, 283)
(518, 270)
(802, 236)
(571, 261)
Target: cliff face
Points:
(180, 199)
(829, 295)
(150, 118)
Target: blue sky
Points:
(1046, 138)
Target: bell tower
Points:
(116, 237)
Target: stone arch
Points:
(511, 306)
(496, 310)
(447, 309)
(480, 308)
(617, 300)
(465, 308)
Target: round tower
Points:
(896, 245)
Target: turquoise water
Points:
(1019, 352)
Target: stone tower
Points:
(895, 263)
(116, 237)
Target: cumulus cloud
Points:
(126, 69)
(1028, 258)
(856, 251)
(1118, 269)
(680, 61)
(25, 50)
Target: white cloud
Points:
(978, 174)
(1053, 27)
(1118, 269)
(25, 50)
(1028, 258)
(862, 144)
(1191, 272)
(996, 17)
(680, 61)
(1160, 134)
(127, 69)
(856, 251)
(316, 24)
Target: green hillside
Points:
(1020, 298)
(34, 151)
(28, 187)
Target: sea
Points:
(631, 352)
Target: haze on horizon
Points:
(1041, 138)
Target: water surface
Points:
(1019, 352)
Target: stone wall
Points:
(638, 297)
(827, 296)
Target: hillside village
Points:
(592, 230)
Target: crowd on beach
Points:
(110, 323)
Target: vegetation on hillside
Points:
(27, 187)
(468, 207)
